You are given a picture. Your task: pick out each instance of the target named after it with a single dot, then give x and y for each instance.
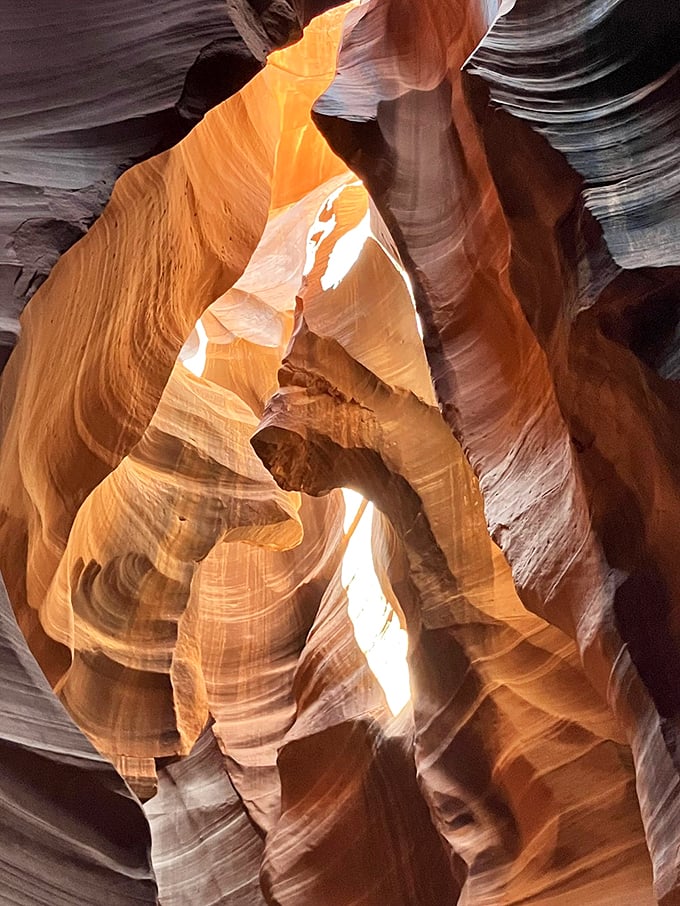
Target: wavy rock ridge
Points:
(427, 253)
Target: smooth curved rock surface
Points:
(72, 831)
(601, 81)
(119, 598)
(205, 850)
(142, 310)
(254, 609)
(115, 85)
(472, 644)
(452, 305)
(501, 266)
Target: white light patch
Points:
(403, 273)
(345, 253)
(324, 223)
(317, 233)
(409, 287)
(376, 626)
(320, 229)
(193, 354)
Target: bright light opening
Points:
(376, 626)
(347, 248)
(194, 353)
(409, 287)
(403, 273)
(345, 253)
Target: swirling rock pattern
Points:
(335, 421)
(602, 82)
(117, 84)
(120, 595)
(462, 303)
(210, 206)
(500, 271)
(219, 864)
(72, 831)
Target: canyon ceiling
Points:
(340, 453)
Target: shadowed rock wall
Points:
(453, 287)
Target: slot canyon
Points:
(340, 453)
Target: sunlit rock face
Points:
(338, 461)
(117, 84)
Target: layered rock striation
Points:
(426, 253)
(72, 830)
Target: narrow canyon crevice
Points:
(338, 454)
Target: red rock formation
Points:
(511, 811)
(141, 309)
(204, 846)
(115, 85)
(71, 830)
(473, 330)
(499, 273)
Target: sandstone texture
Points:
(338, 454)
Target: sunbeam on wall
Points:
(193, 354)
(376, 626)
